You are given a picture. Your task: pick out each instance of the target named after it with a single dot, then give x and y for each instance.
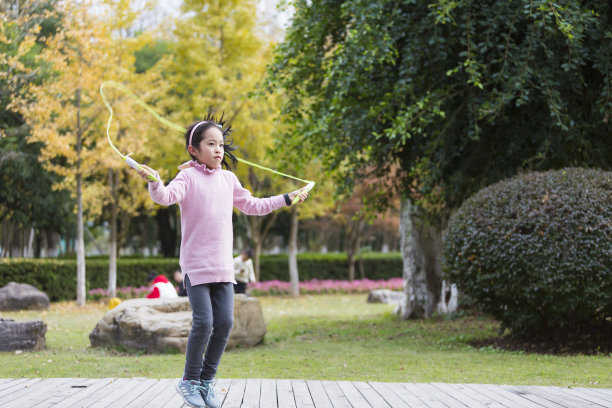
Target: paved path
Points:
(257, 393)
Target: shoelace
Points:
(208, 388)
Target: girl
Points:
(206, 195)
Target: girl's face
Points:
(210, 152)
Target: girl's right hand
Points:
(145, 171)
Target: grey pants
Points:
(213, 317)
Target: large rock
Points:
(163, 325)
(22, 335)
(386, 296)
(21, 296)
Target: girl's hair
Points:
(210, 120)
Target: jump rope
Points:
(134, 164)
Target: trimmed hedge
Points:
(58, 277)
(535, 251)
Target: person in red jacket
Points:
(161, 287)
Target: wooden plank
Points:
(481, 398)
(235, 394)
(69, 389)
(168, 396)
(87, 389)
(440, 396)
(586, 396)
(389, 396)
(504, 397)
(284, 393)
(371, 395)
(5, 381)
(267, 398)
(221, 387)
(152, 394)
(91, 394)
(16, 387)
(533, 396)
(559, 395)
(27, 396)
(252, 392)
(459, 395)
(335, 394)
(599, 392)
(118, 394)
(406, 396)
(318, 394)
(301, 393)
(353, 395)
(424, 396)
(144, 387)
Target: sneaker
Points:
(190, 390)
(208, 394)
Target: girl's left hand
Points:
(302, 194)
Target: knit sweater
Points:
(206, 198)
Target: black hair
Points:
(210, 121)
(248, 252)
(151, 276)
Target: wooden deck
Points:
(257, 393)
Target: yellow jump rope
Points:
(134, 164)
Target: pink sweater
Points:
(206, 198)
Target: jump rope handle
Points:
(306, 189)
(134, 164)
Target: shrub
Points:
(57, 277)
(535, 250)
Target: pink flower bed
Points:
(313, 286)
(276, 287)
(127, 292)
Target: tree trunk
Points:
(167, 231)
(420, 247)
(80, 244)
(258, 230)
(293, 250)
(112, 261)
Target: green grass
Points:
(326, 337)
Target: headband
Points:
(196, 126)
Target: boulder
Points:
(163, 325)
(22, 335)
(386, 296)
(21, 296)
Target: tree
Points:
(217, 62)
(443, 98)
(32, 213)
(124, 198)
(65, 112)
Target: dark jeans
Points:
(240, 287)
(213, 317)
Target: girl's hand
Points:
(298, 193)
(146, 171)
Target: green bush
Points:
(535, 251)
(57, 277)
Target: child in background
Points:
(160, 287)
(206, 195)
(243, 270)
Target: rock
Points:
(20, 296)
(386, 296)
(249, 325)
(22, 335)
(163, 325)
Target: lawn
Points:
(325, 337)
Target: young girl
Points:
(206, 195)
